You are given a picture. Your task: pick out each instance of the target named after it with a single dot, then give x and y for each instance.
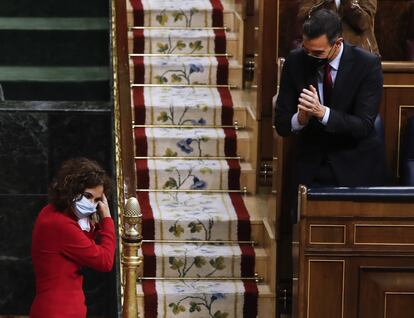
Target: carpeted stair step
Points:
(195, 174)
(230, 18)
(54, 41)
(204, 41)
(185, 71)
(198, 260)
(178, 41)
(197, 299)
(53, 8)
(55, 83)
(203, 216)
(188, 174)
(188, 106)
(195, 142)
(182, 106)
(158, 13)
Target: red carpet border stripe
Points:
(222, 70)
(150, 299)
(227, 111)
(243, 228)
(139, 105)
(150, 260)
(247, 260)
(138, 12)
(139, 69)
(250, 299)
(139, 41)
(218, 20)
(142, 174)
(234, 174)
(148, 226)
(230, 145)
(220, 42)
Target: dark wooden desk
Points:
(354, 254)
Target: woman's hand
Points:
(103, 208)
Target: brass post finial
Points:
(132, 219)
(131, 261)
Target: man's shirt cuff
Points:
(325, 118)
(295, 123)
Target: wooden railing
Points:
(129, 216)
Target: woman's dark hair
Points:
(323, 22)
(73, 177)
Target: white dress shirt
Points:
(334, 70)
(338, 3)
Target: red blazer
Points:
(59, 249)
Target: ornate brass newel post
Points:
(130, 260)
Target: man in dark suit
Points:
(329, 97)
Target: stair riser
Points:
(266, 306)
(214, 179)
(229, 19)
(260, 268)
(232, 48)
(239, 116)
(235, 76)
(158, 146)
(54, 48)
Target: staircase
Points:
(205, 250)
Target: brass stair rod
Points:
(244, 190)
(253, 243)
(189, 126)
(131, 241)
(256, 278)
(180, 54)
(230, 86)
(187, 158)
(225, 28)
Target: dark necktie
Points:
(327, 85)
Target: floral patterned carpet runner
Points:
(179, 41)
(178, 149)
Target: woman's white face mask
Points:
(84, 207)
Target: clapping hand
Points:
(309, 103)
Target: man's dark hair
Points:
(74, 176)
(323, 22)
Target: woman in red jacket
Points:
(63, 239)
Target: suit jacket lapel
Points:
(343, 75)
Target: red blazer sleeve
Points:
(77, 246)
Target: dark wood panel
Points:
(382, 290)
(399, 305)
(327, 234)
(384, 234)
(326, 287)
